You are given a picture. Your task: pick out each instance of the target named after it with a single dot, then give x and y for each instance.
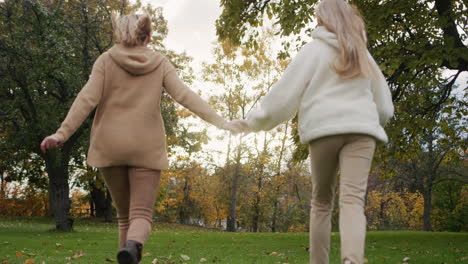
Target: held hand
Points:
(244, 126)
(50, 142)
(237, 126)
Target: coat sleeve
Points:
(86, 100)
(282, 101)
(182, 94)
(382, 96)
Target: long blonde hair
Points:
(132, 30)
(346, 22)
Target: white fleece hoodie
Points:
(327, 104)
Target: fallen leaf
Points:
(155, 261)
(78, 255)
(110, 260)
(5, 262)
(274, 253)
(203, 260)
(146, 254)
(184, 257)
(58, 245)
(406, 259)
(366, 260)
(68, 258)
(29, 261)
(45, 243)
(19, 254)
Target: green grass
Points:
(98, 242)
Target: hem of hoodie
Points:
(375, 131)
(104, 164)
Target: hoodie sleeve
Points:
(283, 100)
(182, 94)
(86, 100)
(382, 96)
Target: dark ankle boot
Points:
(131, 253)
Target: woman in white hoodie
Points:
(343, 102)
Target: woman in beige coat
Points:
(127, 137)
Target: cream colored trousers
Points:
(133, 191)
(352, 154)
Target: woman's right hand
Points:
(237, 126)
(50, 142)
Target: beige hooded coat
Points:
(125, 85)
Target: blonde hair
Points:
(132, 30)
(346, 22)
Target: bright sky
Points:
(191, 26)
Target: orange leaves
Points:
(20, 255)
(23, 201)
(183, 113)
(400, 209)
(78, 255)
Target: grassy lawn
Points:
(28, 238)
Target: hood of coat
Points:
(323, 34)
(137, 60)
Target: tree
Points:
(226, 72)
(397, 27)
(46, 51)
(413, 41)
(40, 74)
(233, 67)
(438, 155)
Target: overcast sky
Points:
(191, 26)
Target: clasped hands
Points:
(237, 127)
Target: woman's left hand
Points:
(50, 142)
(237, 126)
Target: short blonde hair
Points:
(132, 30)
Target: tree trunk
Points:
(108, 211)
(429, 175)
(278, 173)
(427, 210)
(51, 200)
(102, 202)
(184, 211)
(99, 199)
(2, 191)
(57, 169)
(256, 217)
(258, 197)
(231, 221)
(91, 207)
(275, 216)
